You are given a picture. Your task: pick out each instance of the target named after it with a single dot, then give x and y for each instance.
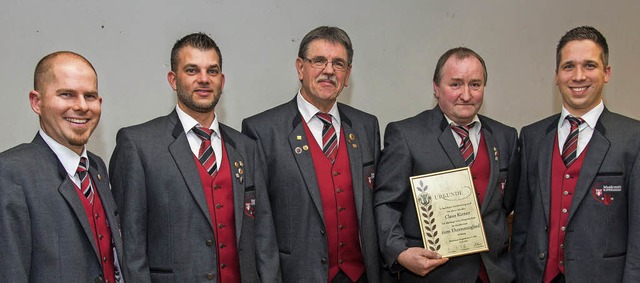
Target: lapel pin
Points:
(240, 171)
(352, 137)
(235, 164)
(495, 152)
(354, 145)
(241, 164)
(298, 138)
(99, 177)
(298, 150)
(305, 147)
(241, 179)
(237, 175)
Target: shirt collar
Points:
(69, 159)
(308, 111)
(475, 119)
(591, 117)
(188, 122)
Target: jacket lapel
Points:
(595, 153)
(237, 179)
(300, 150)
(492, 150)
(447, 141)
(183, 157)
(545, 156)
(355, 161)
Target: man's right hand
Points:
(420, 261)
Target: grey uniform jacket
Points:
(601, 239)
(295, 196)
(45, 235)
(425, 144)
(166, 223)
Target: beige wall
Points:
(396, 45)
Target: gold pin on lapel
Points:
(495, 153)
(352, 137)
(99, 177)
(298, 138)
(241, 164)
(305, 147)
(235, 164)
(355, 145)
(240, 171)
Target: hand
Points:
(420, 261)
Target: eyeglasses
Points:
(321, 63)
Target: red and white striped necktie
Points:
(329, 137)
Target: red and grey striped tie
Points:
(466, 148)
(570, 148)
(329, 137)
(85, 180)
(206, 156)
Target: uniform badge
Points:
(605, 193)
(371, 178)
(503, 184)
(250, 205)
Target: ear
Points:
(222, 81)
(299, 66)
(436, 90)
(35, 99)
(607, 73)
(346, 76)
(171, 78)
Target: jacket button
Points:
(322, 232)
(323, 260)
(222, 246)
(210, 276)
(222, 266)
(541, 255)
(209, 243)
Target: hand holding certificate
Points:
(448, 213)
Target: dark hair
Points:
(331, 34)
(45, 65)
(459, 53)
(584, 33)
(196, 40)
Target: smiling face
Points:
(581, 76)
(461, 89)
(321, 86)
(198, 80)
(68, 103)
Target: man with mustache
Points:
(451, 135)
(321, 157)
(193, 201)
(577, 214)
(58, 220)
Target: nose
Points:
(81, 104)
(203, 77)
(329, 70)
(466, 93)
(579, 75)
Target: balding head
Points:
(43, 73)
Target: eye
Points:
(214, 71)
(190, 70)
(339, 64)
(567, 67)
(591, 66)
(475, 85)
(455, 84)
(91, 96)
(65, 94)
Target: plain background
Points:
(396, 43)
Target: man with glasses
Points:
(321, 158)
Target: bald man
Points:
(58, 220)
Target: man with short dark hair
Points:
(578, 206)
(58, 220)
(451, 135)
(321, 157)
(191, 191)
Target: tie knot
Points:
(462, 131)
(324, 117)
(203, 133)
(575, 122)
(82, 166)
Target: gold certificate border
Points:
(429, 222)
